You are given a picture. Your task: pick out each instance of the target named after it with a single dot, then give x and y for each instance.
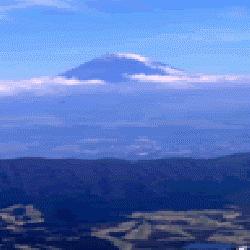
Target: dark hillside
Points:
(96, 190)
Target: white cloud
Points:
(133, 56)
(44, 85)
(60, 85)
(148, 62)
(61, 4)
(22, 4)
(185, 78)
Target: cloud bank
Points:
(138, 82)
(45, 85)
(199, 78)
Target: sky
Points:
(46, 37)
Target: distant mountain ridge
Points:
(118, 67)
(96, 190)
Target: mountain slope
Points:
(103, 189)
(117, 68)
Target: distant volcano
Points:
(118, 67)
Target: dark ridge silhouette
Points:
(69, 191)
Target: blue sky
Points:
(46, 37)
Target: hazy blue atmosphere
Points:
(93, 79)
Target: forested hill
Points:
(69, 190)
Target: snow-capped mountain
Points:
(119, 67)
(126, 106)
(129, 67)
(110, 70)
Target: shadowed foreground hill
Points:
(69, 191)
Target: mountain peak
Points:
(116, 67)
(131, 56)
